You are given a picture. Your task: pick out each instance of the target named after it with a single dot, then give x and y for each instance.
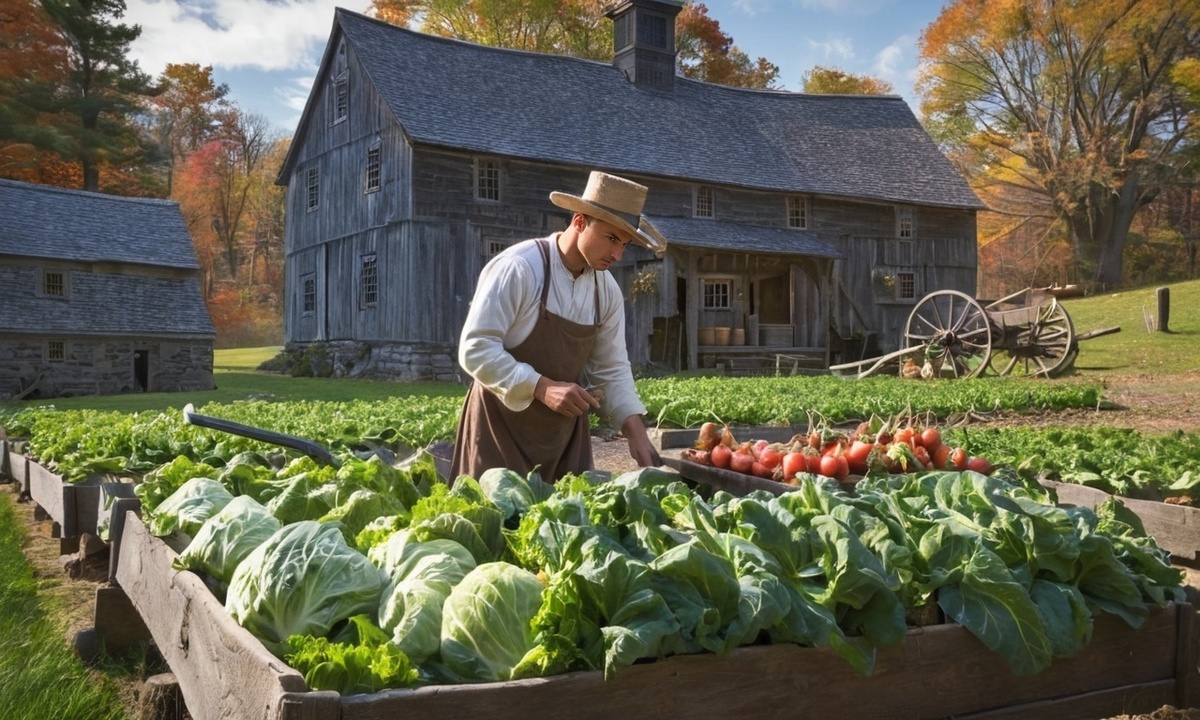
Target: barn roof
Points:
(560, 109)
(716, 234)
(49, 222)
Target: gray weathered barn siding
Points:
(435, 107)
(131, 317)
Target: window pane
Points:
(314, 189)
(797, 212)
(487, 181)
(716, 294)
(52, 284)
(341, 99)
(704, 202)
(56, 351)
(372, 169)
(370, 281)
(906, 285)
(310, 294)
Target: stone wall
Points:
(102, 366)
(406, 362)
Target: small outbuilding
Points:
(99, 295)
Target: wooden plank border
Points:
(1176, 528)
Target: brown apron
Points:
(490, 435)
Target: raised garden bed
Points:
(937, 671)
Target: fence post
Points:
(1164, 308)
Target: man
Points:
(546, 316)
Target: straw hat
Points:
(618, 202)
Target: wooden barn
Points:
(99, 295)
(801, 227)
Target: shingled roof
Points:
(50, 222)
(566, 110)
(715, 234)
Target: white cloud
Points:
(897, 63)
(750, 7)
(260, 34)
(833, 47)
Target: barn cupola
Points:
(644, 41)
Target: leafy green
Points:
(487, 622)
(226, 538)
(367, 666)
(188, 507)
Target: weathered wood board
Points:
(17, 468)
(938, 671)
(1176, 528)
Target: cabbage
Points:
(422, 576)
(226, 538)
(512, 493)
(487, 622)
(187, 508)
(359, 509)
(302, 581)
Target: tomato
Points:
(720, 456)
(812, 462)
(922, 456)
(793, 463)
(742, 461)
(941, 457)
(835, 466)
(904, 435)
(958, 459)
(770, 457)
(856, 456)
(979, 465)
(931, 437)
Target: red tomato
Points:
(742, 461)
(931, 437)
(856, 456)
(770, 457)
(922, 456)
(793, 463)
(979, 465)
(904, 435)
(941, 457)
(835, 466)
(720, 456)
(958, 459)
(812, 462)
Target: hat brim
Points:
(645, 234)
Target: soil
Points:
(1152, 404)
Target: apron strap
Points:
(545, 248)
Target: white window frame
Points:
(489, 185)
(707, 297)
(312, 188)
(703, 203)
(372, 182)
(906, 222)
(798, 210)
(368, 280)
(906, 285)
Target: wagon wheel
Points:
(1046, 347)
(956, 331)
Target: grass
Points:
(39, 676)
(1135, 350)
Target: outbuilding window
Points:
(54, 284)
(906, 222)
(369, 280)
(906, 286)
(715, 294)
(341, 99)
(704, 202)
(487, 180)
(56, 351)
(372, 180)
(797, 212)
(312, 185)
(308, 300)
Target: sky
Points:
(268, 51)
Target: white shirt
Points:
(505, 309)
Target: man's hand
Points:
(640, 447)
(565, 398)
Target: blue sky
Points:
(267, 51)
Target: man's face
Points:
(602, 244)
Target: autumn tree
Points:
(578, 28)
(185, 113)
(33, 64)
(104, 88)
(1070, 101)
(833, 81)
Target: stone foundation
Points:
(406, 362)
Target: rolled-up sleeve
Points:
(506, 288)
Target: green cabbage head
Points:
(487, 622)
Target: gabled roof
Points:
(566, 110)
(49, 222)
(720, 235)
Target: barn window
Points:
(369, 280)
(54, 284)
(341, 99)
(715, 294)
(703, 207)
(372, 184)
(797, 212)
(309, 299)
(495, 247)
(906, 222)
(56, 351)
(487, 180)
(906, 286)
(313, 186)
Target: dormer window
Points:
(797, 212)
(703, 207)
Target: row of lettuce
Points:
(373, 575)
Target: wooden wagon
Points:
(951, 334)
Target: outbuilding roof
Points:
(721, 235)
(42, 221)
(559, 109)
